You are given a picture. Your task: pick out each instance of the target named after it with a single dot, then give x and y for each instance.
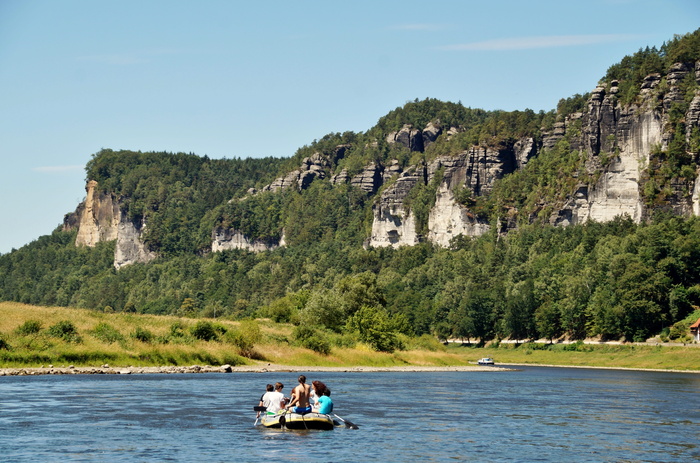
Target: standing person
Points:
(300, 397)
(268, 390)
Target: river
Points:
(532, 414)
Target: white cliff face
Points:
(615, 194)
(448, 219)
(130, 248)
(224, 239)
(98, 217)
(393, 225)
(635, 133)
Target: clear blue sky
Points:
(249, 79)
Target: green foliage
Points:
(28, 328)
(311, 338)
(65, 330)
(172, 193)
(107, 333)
(574, 104)
(204, 331)
(143, 335)
(4, 345)
(245, 338)
(631, 71)
(374, 327)
(258, 217)
(615, 280)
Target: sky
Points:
(238, 79)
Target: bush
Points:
(310, 338)
(3, 344)
(107, 333)
(65, 330)
(29, 327)
(204, 331)
(245, 338)
(142, 334)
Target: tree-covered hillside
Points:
(613, 280)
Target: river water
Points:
(533, 414)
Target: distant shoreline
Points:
(107, 370)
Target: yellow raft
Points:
(290, 420)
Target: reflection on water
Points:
(536, 414)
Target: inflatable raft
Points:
(291, 420)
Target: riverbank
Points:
(49, 340)
(107, 370)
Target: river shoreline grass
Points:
(123, 341)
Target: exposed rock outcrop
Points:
(408, 137)
(99, 218)
(130, 248)
(448, 219)
(477, 169)
(626, 135)
(227, 238)
(393, 224)
(313, 167)
(369, 180)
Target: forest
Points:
(615, 280)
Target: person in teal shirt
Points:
(325, 403)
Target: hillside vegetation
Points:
(615, 280)
(54, 336)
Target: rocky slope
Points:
(616, 141)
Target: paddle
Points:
(348, 423)
(258, 409)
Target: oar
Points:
(348, 423)
(258, 409)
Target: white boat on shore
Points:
(486, 361)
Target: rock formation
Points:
(130, 248)
(226, 238)
(393, 225)
(99, 218)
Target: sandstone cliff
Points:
(616, 141)
(226, 238)
(99, 218)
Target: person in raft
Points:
(323, 401)
(300, 397)
(268, 390)
(274, 400)
(317, 388)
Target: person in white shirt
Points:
(274, 400)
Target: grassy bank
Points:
(32, 336)
(616, 356)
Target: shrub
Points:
(245, 338)
(204, 331)
(107, 333)
(142, 334)
(3, 344)
(313, 339)
(29, 327)
(65, 330)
